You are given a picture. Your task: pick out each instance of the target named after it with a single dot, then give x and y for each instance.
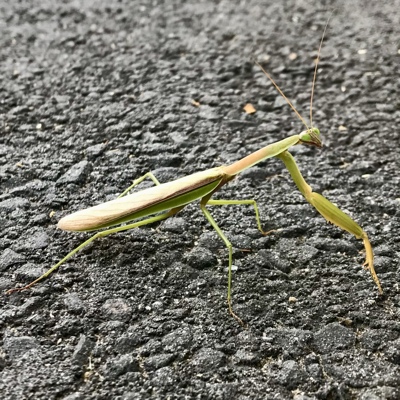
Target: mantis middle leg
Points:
(242, 202)
(228, 244)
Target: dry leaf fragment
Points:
(249, 109)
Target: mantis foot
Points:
(235, 316)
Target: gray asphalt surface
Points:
(93, 95)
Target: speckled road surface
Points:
(95, 94)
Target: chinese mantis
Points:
(162, 201)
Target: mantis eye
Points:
(311, 137)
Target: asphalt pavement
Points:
(95, 94)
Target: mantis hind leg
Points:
(139, 180)
(331, 213)
(94, 237)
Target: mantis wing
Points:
(127, 207)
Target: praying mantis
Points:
(162, 201)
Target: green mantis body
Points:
(165, 200)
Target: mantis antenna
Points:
(316, 67)
(313, 81)
(281, 93)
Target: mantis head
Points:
(311, 137)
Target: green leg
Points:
(226, 241)
(330, 212)
(137, 181)
(242, 202)
(228, 244)
(96, 236)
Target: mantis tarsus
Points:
(165, 200)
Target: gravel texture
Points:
(95, 94)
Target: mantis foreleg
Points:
(330, 212)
